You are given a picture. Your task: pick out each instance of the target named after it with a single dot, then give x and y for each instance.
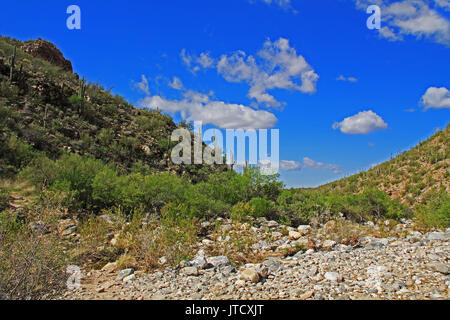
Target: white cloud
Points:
(443, 4)
(438, 98)
(309, 163)
(143, 85)
(344, 78)
(412, 17)
(389, 34)
(282, 3)
(176, 84)
(279, 67)
(196, 106)
(289, 165)
(362, 123)
(194, 63)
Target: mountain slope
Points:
(409, 176)
(44, 107)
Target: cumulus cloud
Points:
(437, 98)
(344, 78)
(195, 106)
(362, 123)
(176, 84)
(417, 18)
(277, 66)
(289, 165)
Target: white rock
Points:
(328, 244)
(294, 235)
(129, 278)
(249, 275)
(272, 224)
(190, 271)
(219, 261)
(333, 276)
(124, 273)
(304, 229)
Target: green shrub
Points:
(241, 211)
(4, 197)
(436, 212)
(261, 207)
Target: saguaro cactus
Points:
(81, 88)
(81, 92)
(11, 65)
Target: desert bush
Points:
(32, 266)
(174, 239)
(94, 247)
(436, 211)
(241, 211)
(4, 197)
(261, 207)
(373, 204)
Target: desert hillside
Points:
(408, 177)
(46, 108)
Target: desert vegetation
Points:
(86, 179)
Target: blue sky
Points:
(299, 66)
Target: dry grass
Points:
(236, 243)
(32, 265)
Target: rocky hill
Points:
(410, 176)
(44, 107)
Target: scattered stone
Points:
(129, 278)
(124, 273)
(110, 267)
(333, 276)
(294, 235)
(306, 295)
(386, 268)
(436, 236)
(304, 229)
(162, 260)
(272, 224)
(199, 262)
(263, 271)
(219, 261)
(377, 243)
(69, 231)
(249, 275)
(190, 271)
(328, 244)
(439, 267)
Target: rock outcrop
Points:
(47, 51)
